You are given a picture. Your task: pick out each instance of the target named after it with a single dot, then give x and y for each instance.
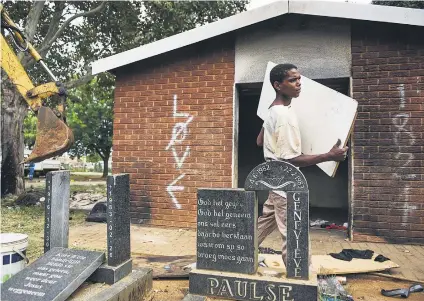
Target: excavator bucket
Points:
(54, 137)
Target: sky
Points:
(257, 3)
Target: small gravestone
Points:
(56, 218)
(119, 262)
(52, 277)
(226, 230)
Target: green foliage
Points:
(116, 27)
(91, 119)
(70, 35)
(408, 4)
(93, 158)
(30, 129)
(98, 167)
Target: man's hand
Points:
(336, 153)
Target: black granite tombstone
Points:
(226, 230)
(118, 219)
(56, 217)
(239, 287)
(224, 279)
(283, 176)
(52, 277)
(119, 262)
(276, 175)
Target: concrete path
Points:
(179, 242)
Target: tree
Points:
(72, 34)
(30, 129)
(91, 120)
(408, 4)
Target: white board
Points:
(324, 116)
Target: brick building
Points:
(185, 112)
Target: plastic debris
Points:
(330, 289)
(318, 222)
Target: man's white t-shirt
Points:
(282, 139)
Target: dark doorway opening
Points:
(328, 196)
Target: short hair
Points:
(279, 72)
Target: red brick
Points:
(385, 153)
(203, 85)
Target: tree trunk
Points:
(13, 111)
(105, 166)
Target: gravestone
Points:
(283, 176)
(119, 262)
(210, 278)
(56, 218)
(226, 230)
(252, 288)
(52, 277)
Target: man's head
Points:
(285, 79)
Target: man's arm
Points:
(335, 154)
(260, 138)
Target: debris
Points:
(31, 198)
(341, 279)
(334, 226)
(318, 222)
(403, 292)
(261, 261)
(268, 251)
(349, 254)
(330, 289)
(190, 267)
(381, 258)
(85, 200)
(98, 213)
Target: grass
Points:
(30, 221)
(87, 177)
(98, 188)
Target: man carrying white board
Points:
(281, 140)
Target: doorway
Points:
(328, 196)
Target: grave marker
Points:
(52, 277)
(119, 262)
(297, 235)
(56, 218)
(283, 176)
(250, 288)
(226, 230)
(225, 280)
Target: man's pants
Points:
(273, 216)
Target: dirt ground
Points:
(368, 288)
(361, 287)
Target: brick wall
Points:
(173, 130)
(388, 82)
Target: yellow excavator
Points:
(53, 137)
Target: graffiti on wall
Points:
(179, 134)
(403, 137)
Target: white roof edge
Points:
(366, 12)
(192, 36)
(354, 11)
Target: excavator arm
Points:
(54, 137)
